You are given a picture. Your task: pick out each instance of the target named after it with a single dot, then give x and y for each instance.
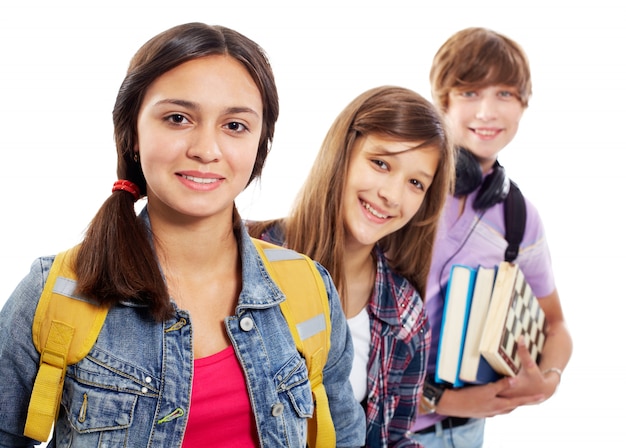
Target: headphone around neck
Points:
(469, 176)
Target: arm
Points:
(533, 384)
(482, 401)
(536, 264)
(19, 359)
(545, 377)
(347, 413)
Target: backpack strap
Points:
(307, 313)
(514, 221)
(65, 327)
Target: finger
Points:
(526, 359)
(503, 384)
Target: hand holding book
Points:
(490, 317)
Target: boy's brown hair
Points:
(474, 58)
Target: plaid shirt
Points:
(397, 362)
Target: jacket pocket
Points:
(92, 409)
(94, 417)
(99, 401)
(293, 381)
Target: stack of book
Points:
(486, 311)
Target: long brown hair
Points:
(116, 261)
(315, 226)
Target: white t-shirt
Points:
(361, 337)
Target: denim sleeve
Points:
(19, 359)
(347, 414)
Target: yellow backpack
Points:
(66, 327)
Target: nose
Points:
(391, 191)
(487, 108)
(204, 145)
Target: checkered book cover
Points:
(514, 311)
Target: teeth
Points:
(485, 132)
(200, 180)
(372, 211)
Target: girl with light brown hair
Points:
(368, 212)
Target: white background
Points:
(61, 65)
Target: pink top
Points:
(220, 408)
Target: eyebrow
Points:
(196, 106)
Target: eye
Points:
(236, 127)
(177, 119)
(508, 94)
(468, 93)
(380, 164)
(417, 184)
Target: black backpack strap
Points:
(514, 221)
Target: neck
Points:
(195, 244)
(360, 275)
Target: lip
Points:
(374, 213)
(486, 133)
(198, 181)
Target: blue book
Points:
(474, 367)
(454, 321)
(484, 373)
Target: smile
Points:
(370, 209)
(199, 180)
(486, 132)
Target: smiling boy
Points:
(481, 82)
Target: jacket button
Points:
(277, 409)
(246, 324)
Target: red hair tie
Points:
(128, 186)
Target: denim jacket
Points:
(134, 387)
